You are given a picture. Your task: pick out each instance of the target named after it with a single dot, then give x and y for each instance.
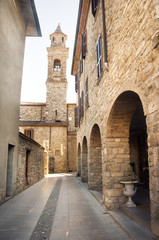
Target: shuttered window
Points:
(82, 104)
(77, 78)
(76, 117)
(29, 133)
(86, 93)
(99, 57)
(84, 44)
(94, 6)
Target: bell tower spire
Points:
(56, 84)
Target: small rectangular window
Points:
(29, 133)
(99, 58)
(84, 44)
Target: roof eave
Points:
(81, 22)
(30, 17)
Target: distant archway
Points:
(95, 162)
(84, 166)
(79, 160)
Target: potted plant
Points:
(130, 188)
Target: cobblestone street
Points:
(57, 208)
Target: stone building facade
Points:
(52, 124)
(30, 167)
(115, 63)
(18, 19)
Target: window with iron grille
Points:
(84, 43)
(99, 57)
(86, 92)
(94, 6)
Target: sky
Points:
(50, 13)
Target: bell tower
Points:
(56, 84)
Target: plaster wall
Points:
(12, 40)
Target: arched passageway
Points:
(139, 148)
(95, 161)
(84, 165)
(126, 146)
(79, 160)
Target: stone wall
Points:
(54, 140)
(71, 138)
(30, 163)
(72, 151)
(32, 111)
(56, 108)
(131, 73)
(71, 116)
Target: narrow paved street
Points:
(57, 208)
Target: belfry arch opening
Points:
(57, 65)
(84, 165)
(126, 147)
(95, 161)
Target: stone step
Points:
(131, 227)
(138, 214)
(137, 226)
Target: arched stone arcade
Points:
(126, 146)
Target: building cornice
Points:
(41, 123)
(32, 104)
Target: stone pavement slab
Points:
(80, 217)
(77, 215)
(19, 215)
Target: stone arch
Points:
(125, 119)
(79, 160)
(84, 163)
(95, 160)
